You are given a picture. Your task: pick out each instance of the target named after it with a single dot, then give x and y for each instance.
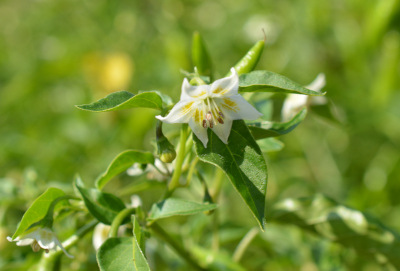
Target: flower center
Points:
(213, 113)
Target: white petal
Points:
(318, 83)
(292, 105)
(9, 239)
(236, 107)
(227, 86)
(62, 248)
(46, 238)
(135, 170)
(198, 129)
(100, 235)
(180, 113)
(223, 130)
(193, 92)
(318, 100)
(24, 242)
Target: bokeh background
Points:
(56, 54)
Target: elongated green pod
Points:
(250, 60)
(200, 56)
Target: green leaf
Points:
(167, 100)
(121, 163)
(103, 206)
(266, 129)
(139, 258)
(116, 254)
(38, 209)
(341, 224)
(243, 162)
(270, 144)
(124, 100)
(266, 81)
(172, 206)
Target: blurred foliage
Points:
(56, 54)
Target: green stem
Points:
(49, 260)
(179, 161)
(118, 221)
(244, 243)
(157, 230)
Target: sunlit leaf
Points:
(116, 254)
(266, 81)
(173, 206)
(266, 129)
(38, 209)
(242, 161)
(103, 206)
(121, 163)
(139, 258)
(341, 224)
(124, 100)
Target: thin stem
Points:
(215, 233)
(191, 170)
(215, 222)
(179, 160)
(118, 221)
(244, 243)
(162, 234)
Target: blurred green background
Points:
(56, 54)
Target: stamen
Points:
(209, 116)
(204, 123)
(220, 121)
(222, 115)
(211, 124)
(35, 246)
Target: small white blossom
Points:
(38, 237)
(213, 106)
(100, 234)
(295, 102)
(152, 172)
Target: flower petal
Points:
(180, 113)
(318, 83)
(236, 107)
(223, 130)
(62, 248)
(226, 86)
(193, 92)
(24, 242)
(292, 105)
(198, 129)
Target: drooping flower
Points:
(39, 237)
(213, 106)
(295, 102)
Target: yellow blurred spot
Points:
(108, 73)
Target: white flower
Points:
(295, 102)
(212, 106)
(152, 173)
(38, 237)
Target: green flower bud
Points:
(165, 150)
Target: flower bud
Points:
(165, 150)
